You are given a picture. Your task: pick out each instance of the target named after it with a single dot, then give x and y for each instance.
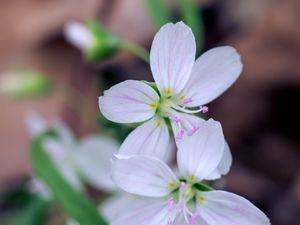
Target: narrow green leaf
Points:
(74, 203)
(159, 11)
(192, 16)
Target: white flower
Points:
(182, 87)
(89, 157)
(170, 199)
(79, 35)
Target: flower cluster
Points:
(167, 109)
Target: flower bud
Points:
(24, 83)
(92, 38)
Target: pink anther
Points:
(203, 109)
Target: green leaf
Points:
(74, 203)
(192, 16)
(32, 214)
(159, 11)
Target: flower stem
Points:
(136, 49)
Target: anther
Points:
(203, 109)
(186, 101)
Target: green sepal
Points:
(203, 187)
(105, 44)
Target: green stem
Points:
(159, 12)
(136, 49)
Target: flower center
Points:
(184, 201)
(173, 109)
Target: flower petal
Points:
(151, 138)
(93, 160)
(129, 102)
(201, 153)
(221, 207)
(146, 211)
(224, 165)
(172, 57)
(114, 206)
(143, 175)
(213, 73)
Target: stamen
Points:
(170, 204)
(203, 109)
(175, 118)
(178, 120)
(192, 131)
(186, 101)
(193, 218)
(179, 135)
(170, 222)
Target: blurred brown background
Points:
(259, 114)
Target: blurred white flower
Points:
(87, 159)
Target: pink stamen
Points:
(193, 218)
(182, 186)
(192, 131)
(186, 101)
(170, 204)
(170, 222)
(176, 118)
(179, 135)
(203, 109)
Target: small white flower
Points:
(182, 87)
(89, 157)
(183, 200)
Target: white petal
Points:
(213, 73)
(143, 175)
(224, 165)
(63, 161)
(128, 102)
(78, 35)
(201, 153)
(151, 138)
(114, 206)
(93, 160)
(35, 124)
(146, 212)
(221, 207)
(172, 57)
(65, 134)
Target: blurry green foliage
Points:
(74, 203)
(34, 213)
(159, 11)
(192, 16)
